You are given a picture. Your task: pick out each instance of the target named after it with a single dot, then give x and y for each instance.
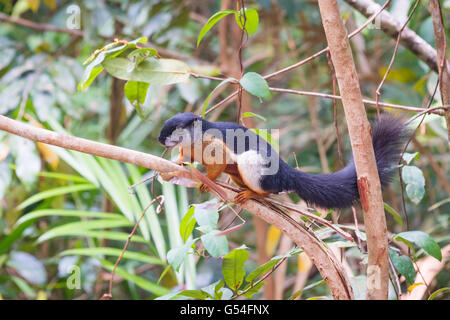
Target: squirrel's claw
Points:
(245, 195)
(203, 188)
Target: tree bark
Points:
(361, 141)
(443, 64)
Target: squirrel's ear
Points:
(190, 122)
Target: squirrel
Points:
(254, 165)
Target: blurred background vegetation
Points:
(63, 213)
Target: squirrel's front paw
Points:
(243, 196)
(203, 188)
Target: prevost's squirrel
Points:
(254, 165)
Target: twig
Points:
(108, 296)
(397, 42)
(403, 152)
(300, 63)
(227, 99)
(39, 26)
(317, 54)
(366, 101)
(391, 26)
(355, 220)
(196, 75)
(311, 216)
(396, 285)
(268, 273)
(335, 115)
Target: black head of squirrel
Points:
(254, 165)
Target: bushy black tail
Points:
(339, 189)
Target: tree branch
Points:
(361, 140)
(440, 110)
(39, 26)
(391, 26)
(327, 264)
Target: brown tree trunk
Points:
(443, 64)
(361, 141)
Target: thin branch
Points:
(317, 54)
(196, 75)
(39, 26)
(108, 295)
(397, 42)
(391, 26)
(300, 63)
(436, 110)
(335, 114)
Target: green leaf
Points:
(139, 281)
(55, 192)
(67, 213)
(24, 287)
(256, 85)
(404, 265)
(139, 55)
(136, 92)
(196, 294)
(415, 183)
(422, 240)
(94, 252)
(212, 289)
(251, 20)
(434, 294)
(205, 216)
(252, 290)
(397, 217)
(177, 255)
(155, 71)
(211, 22)
(312, 285)
(263, 133)
(95, 66)
(62, 176)
(233, 268)
(205, 104)
(251, 114)
(216, 246)
(187, 224)
(110, 235)
(262, 269)
(408, 157)
(81, 226)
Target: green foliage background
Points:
(62, 212)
